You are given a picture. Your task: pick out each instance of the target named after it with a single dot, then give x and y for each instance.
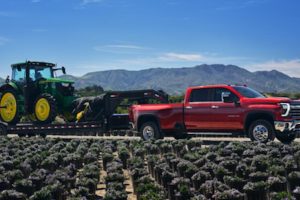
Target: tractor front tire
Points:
(9, 110)
(45, 109)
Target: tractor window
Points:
(32, 75)
(44, 72)
(17, 75)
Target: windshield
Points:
(35, 73)
(41, 72)
(248, 92)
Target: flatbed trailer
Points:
(110, 122)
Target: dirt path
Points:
(101, 187)
(129, 187)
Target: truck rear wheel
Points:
(150, 131)
(285, 138)
(261, 131)
(45, 109)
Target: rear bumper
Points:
(287, 127)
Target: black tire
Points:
(261, 131)
(3, 130)
(150, 131)
(22, 134)
(53, 109)
(17, 116)
(285, 138)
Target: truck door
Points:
(197, 110)
(226, 115)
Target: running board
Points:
(209, 134)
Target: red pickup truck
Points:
(220, 108)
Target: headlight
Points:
(285, 109)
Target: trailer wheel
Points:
(3, 130)
(150, 131)
(21, 134)
(261, 131)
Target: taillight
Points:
(130, 113)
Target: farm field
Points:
(93, 168)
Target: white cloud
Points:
(120, 48)
(7, 14)
(235, 5)
(124, 46)
(39, 30)
(3, 40)
(85, 2)
(290, 67)
(182, 57)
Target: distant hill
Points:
(176, 80)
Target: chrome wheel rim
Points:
(260, 133)
(148, 133)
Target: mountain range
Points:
(176, 80)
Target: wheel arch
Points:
(147, 118)
(255, 115)
(9, 86)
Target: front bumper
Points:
(287, 127)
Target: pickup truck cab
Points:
(220, 108)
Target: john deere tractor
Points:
(34, 91)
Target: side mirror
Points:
(63, 69)
(226, 97)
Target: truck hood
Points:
(269, 100)
(152, 107)
(55, 80)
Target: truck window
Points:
(201, 95)
(218, 94)
(248, 92)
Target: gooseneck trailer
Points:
(97, 115)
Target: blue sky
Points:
(96, 35)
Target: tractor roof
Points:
(34, 63)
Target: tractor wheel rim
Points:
(9, 104)
(42, 109)
(260, 133)
(148, 133)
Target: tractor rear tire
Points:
(45, 109)
(10, 114)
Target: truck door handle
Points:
(214, 107)
(188, 107)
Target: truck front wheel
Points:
(261, 131)
(150, 131)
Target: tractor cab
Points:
(37, 92)
(32, 71)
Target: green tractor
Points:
(34, 91)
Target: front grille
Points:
(295, 111)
